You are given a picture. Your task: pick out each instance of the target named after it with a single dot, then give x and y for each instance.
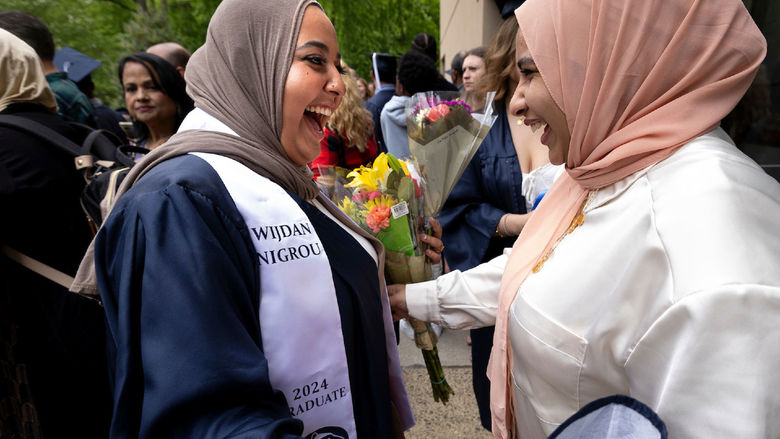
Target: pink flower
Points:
(372, 195)
(359, 197)
(417, 189)
(378, 218)
(438, 112)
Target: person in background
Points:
(416, 73)
(473, 71)
(54, 376)
(348, 140)
(106, 117)
(155, 96)
(363, 88)
(650, 267)
(456, 70)
(72, 104)
(79, 68)
(426, 44)
(383, 75)
(172, 52)
(473, 68)
(287, 330)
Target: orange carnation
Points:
(378, 218)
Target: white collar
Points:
(198, 119)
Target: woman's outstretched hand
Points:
(397, 292)
(397, 295)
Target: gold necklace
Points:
(577, 221)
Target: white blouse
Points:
(669, 293)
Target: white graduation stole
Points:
(299, 315)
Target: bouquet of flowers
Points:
(391, 198)
(387, 201)
(443, 137)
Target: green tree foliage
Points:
(107, 30)
(379, 26)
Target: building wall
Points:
(464, 25)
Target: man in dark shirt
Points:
(426, 44)
(456, 70)
(79, 68)
(383, 73)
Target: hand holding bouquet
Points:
(387, 201)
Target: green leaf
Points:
(405, 189)
(394, 164)
(393, 180)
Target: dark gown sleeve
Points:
(489, 188)
(468, 222)
(179, 284)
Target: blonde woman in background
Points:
(365, 91)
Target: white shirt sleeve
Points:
(459, 299)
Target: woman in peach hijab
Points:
(650, 268)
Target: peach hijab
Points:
(636, 80)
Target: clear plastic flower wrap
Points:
(444, 135)
(387, 201)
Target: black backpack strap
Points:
(42, 132)
(105, 145)
(96, 147)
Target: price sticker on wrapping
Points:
(400, 210)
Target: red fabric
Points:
(333, 152)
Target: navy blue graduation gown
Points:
(179, 279)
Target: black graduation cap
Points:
(74, 63)
(384, 66)
(507, 7)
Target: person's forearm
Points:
(458, 299)
(511, 224)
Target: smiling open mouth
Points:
(319, 114)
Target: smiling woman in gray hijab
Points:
(239, 301)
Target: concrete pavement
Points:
(458, 419)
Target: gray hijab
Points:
(237, 77)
